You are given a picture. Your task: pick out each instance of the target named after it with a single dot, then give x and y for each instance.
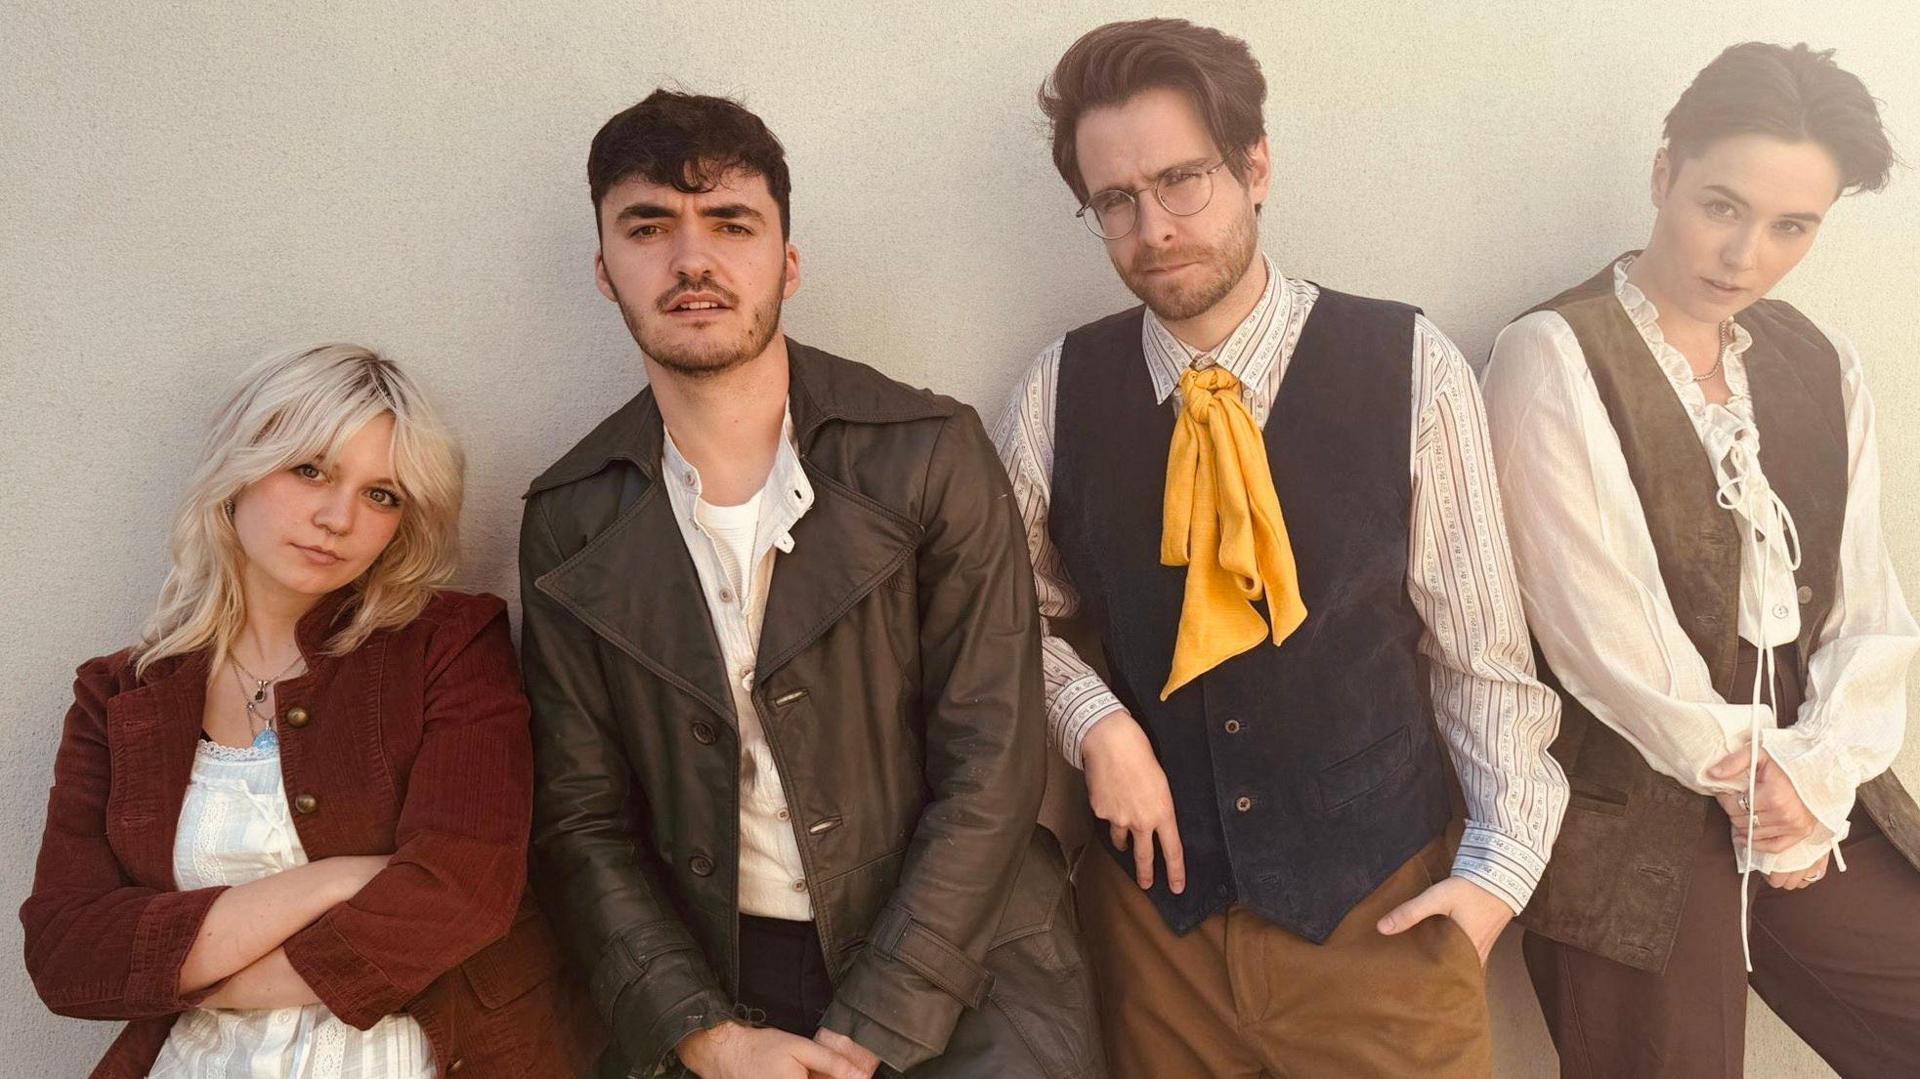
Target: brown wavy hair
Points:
(1111, 63)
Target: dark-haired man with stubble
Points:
(1273, 504)
(1697, 526)
(784, 661)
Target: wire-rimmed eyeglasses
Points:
(1183, 190)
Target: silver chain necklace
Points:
(256, 697)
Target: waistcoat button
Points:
(305, 803)
(1243, 803)
(1806, 593)
(297, 717)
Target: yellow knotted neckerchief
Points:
(1221, 519)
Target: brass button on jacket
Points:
(297, 717)
(305, 803)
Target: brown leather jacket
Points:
(898, 681)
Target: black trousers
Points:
(783, 974)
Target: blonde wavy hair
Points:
(292, 408)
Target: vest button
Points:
(704, 733)
(1233, 726)
(701, 865)
(297, 717)
(1243, 803)
(305, 803)
(1806, 593)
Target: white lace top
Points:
(235, 828)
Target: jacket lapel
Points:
(842, 549)
(636, 585)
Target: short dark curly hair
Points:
(1111, 63)
(1793, 93)
(688, 141)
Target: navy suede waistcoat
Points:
(1302, 775)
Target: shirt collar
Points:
(1249, 352)
(1646, 318)
(785, 497)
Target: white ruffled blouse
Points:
(235, 828)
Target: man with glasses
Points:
(1278, 684)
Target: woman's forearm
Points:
(268, 982)
(250, 920)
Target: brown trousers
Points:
(1240, 997)
(1839, 961)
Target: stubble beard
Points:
(701, 358)
(1221, 266)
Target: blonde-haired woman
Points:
(287, 832)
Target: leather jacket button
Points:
(704, 733)
(701, 865)
(305, 803)
(297, 717)
(1243, 803)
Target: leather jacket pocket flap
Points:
(897, 936)
(1361, 773)
(509, 967)
(1035, 901)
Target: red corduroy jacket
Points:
(415, 744)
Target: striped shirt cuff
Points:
(1500, 864)
(1075, 709)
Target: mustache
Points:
(1144, 263)
(705, 284)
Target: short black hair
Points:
(1792, 93)
(690, 142)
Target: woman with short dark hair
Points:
(1693, 492)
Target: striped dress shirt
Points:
(1497, 719)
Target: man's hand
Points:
(1129, 791)
(847, 1047)
(733, 1051)
(1474, 909)
(1781, 820)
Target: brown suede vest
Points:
(1621, 866)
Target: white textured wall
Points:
(183, 186)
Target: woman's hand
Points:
(1781, 821)
(1795, 879)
